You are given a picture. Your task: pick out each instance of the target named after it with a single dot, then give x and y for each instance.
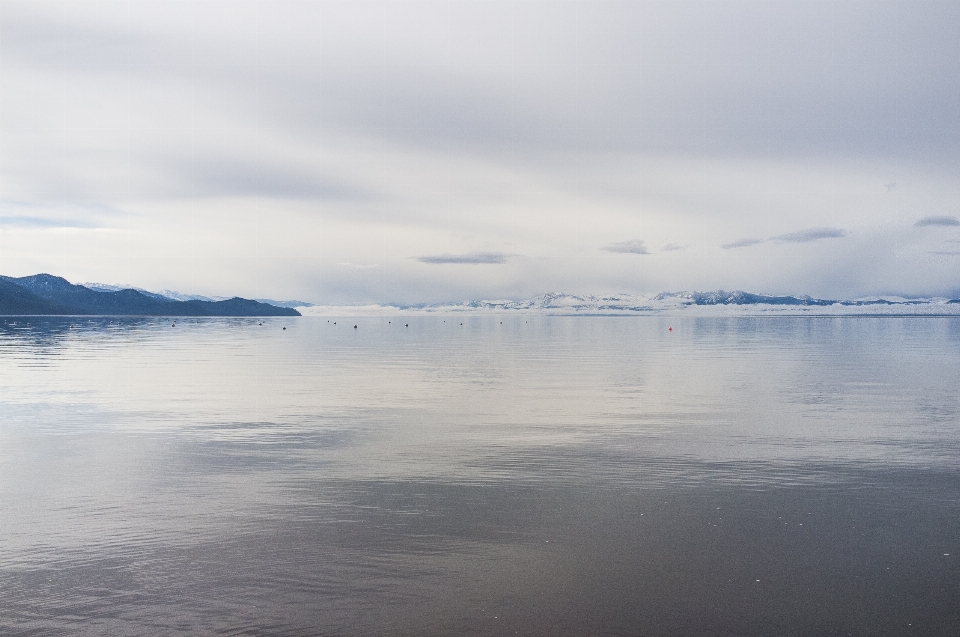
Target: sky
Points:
(405, 152)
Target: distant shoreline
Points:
(931, 308)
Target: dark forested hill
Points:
(47, 294)
(18, 300)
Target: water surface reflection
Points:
(541, 476)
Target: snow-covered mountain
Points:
(173, 295)
(104, 287)
(177, 296)
(706, 303)
(719, 302)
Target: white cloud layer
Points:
(348, 152)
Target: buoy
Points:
(354, 327)
(284, 329)
(669, 329)
(406, 325)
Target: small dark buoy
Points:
(389, 321)
(354, 327)
(173, 325)
(461, 324)
(406, 325)
(284, 328)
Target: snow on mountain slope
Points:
(718, 303)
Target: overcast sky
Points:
(352, 152)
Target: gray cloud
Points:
(811, 234)
(673, 247)
(742, 243)
(759, 88)
(938, 221)
(634, 246)
(801, 236)
(474, 258)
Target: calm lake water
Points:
(535, 476)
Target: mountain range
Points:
(45, 294)
(172, 295)
(719, 302)
(559, 303)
